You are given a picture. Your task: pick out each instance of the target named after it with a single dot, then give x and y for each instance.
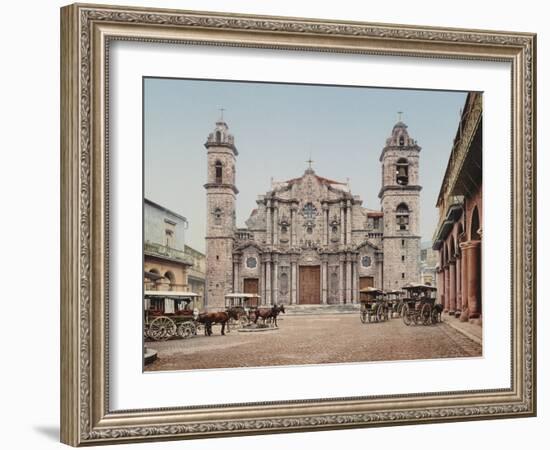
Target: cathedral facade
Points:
(310, 240)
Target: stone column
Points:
(269, 237)
(276, 223)
(452, 287)
(292, 225)
(325, 220)
(275, 279)
(294, 280)
(440, 285)
(458, 309)
(464, 286)
(447, 293)
(341, 280)
(236, 262)
(162, 284)
(342, 223)
(262, 280)
(354, 287)
(268, 282)
(348, 278)
(471, 250)
(324, 276)
(348, 222)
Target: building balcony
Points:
(165, 252)
(452, 210)
(243, 235)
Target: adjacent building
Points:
(458, 236)
(428, 264)
(197, 272)
(310, 240)
(166, 264)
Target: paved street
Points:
(314, 339)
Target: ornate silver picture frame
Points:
(87, 33)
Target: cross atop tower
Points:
(399, 116)
(310, 161)
(221, 114)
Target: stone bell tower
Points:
(400, 201)
(220, 214)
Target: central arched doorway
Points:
(309, 285)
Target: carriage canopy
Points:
(241, 299)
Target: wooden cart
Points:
(419, 306)
(244, 306)
(374, 306)
(169, 314)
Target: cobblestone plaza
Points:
(315, 339)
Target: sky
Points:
(277, 127)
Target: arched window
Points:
(309, 211)
(219, 171)
(401, 141)
(402, 171)
(474, 225)
(170, 277)
(402, 217)
(218, 136)
(218, 216)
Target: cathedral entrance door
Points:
(251, 286)
(365, 282)
(310, 285)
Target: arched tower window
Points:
(401, 141)
(218, 136)
(402, 172)
(474, 225)
(219, 171)
(402, 217)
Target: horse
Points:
(439, 308)
(210, 318)
(271, 313)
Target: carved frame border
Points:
(86, 31)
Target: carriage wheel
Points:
(199, 328)
(363, 316)
(425, 314)
(400, 309)
(185, 330)
(162, 328)
(405, 312)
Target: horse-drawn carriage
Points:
(243, 308)
(374, 305)
(395, 302)
(419, 306)
(170, 313)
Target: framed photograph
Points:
(276, 224)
